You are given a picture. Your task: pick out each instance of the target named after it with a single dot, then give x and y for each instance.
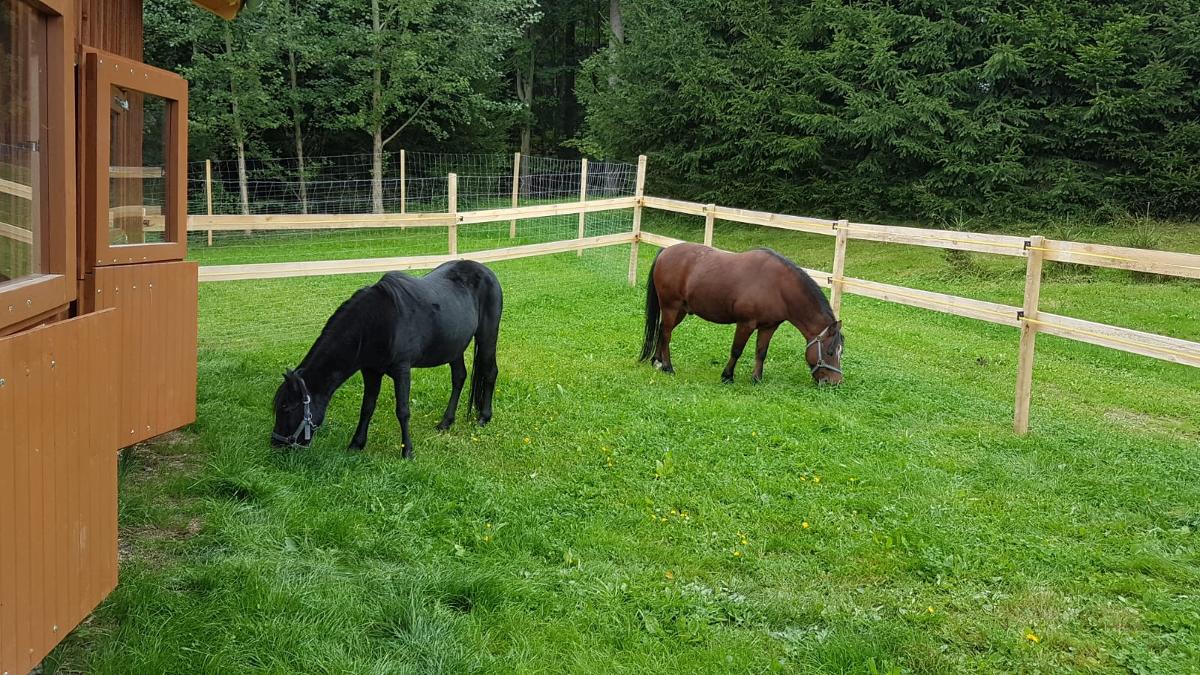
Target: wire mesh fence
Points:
(405, 183)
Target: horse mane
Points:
(810, 286)
(337, 319)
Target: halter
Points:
(820, 355)
(306, 427)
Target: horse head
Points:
(298, 413)
(824, 355)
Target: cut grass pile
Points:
(613, 519)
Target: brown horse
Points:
(757, 290)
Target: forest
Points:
(944, 111)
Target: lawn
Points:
(614, 519)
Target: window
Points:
(135, 176)
(22, 109)
(37, 161)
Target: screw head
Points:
(3, 381)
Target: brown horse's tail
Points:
(653, 323)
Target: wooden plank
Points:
(18, 234)
(1122, 339)
(1119, 257)
(22, 541)
(661, 240)
(136, 172)
(1025, 356)
(403, 182)
(366, 265)
(839, 267)
(452, 205)
(208, 192)
(710, 215)
(130, 211)
(677, 206)
(583, 170)
(19, 190)
(639, 194)
(1005, 315)
(8, 505)
(546, 210)
(516, 193)
(998, 244)
(316, 221)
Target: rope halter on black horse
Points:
(306, 427)
(820, 353)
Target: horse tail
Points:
(483, 368)
(653, 322)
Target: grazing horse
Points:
(757, 290)
(389, 328)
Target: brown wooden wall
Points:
(112, 25)
(58, 482)
(155, 344)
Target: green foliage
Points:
(908, 108)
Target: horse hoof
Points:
(484, 420)
(755, 380)
(726, 379)
(445, 426)
(668, 370)
(355, 447)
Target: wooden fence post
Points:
(582, 199)
(839, 266)
(516, 193)
(403, 182)
(710, 214)
(639, 191)
(208, 191)
(452, 203)
(1033, 288)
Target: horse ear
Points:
(837, 325)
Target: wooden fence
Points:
(1027, 318)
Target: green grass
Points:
(555, 539)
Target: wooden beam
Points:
(403, 182)
(1122, 339)
(1005, 315)
(676, 206)
(546, 210)
(13, 232)
(1119, 257)
(316, 221)
(583, 168)
(710, 215)
(1029, 329)
(998, 244)
(367, 265)
(452, 205)
(639, 193)
(136, 172)
(208, 192)
(516, 193)
(9, 187)
(839, 267)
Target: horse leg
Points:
(371, 382)
(671, 317)
(458, 375)
(761, 343)
(402, 376)
(740, 336)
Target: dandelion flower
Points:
(804, 525)
(816, 479)
(929, 609)
(744, 542)
(1032, 637)
(488, 525)
(754, 433)
(737, 554)
(527, 440)
(669, 574)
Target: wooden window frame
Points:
(31, 299)
(102, 72)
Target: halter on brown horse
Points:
(757, 290)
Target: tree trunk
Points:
(615, 22)
(296, 112)
(239, 132)
(525, 96)
(376, 117)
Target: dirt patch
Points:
(168, 454)
(1149, 423)
(151, 543)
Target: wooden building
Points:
(97, 304)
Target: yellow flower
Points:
(754, 433)
(669, 574)
(744, 542)
(664, 519)
(737, 554)
(1032, 637)
(475, 439)
(816, 479)
(804, 524)
(929, 609)
(488, 525)
(527, 440)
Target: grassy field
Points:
(613, 519)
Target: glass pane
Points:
(137, 175)
(22, 84)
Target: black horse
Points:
(389, 328)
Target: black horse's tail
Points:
(483, 368)
(653, 322)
